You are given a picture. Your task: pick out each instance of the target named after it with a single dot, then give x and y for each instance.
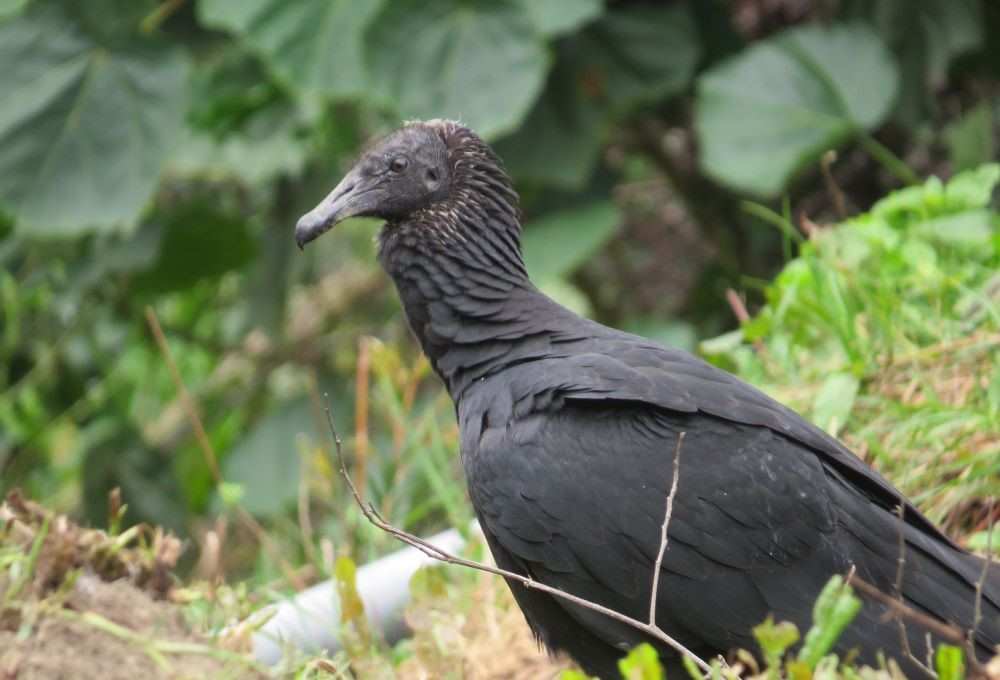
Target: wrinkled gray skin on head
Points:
(406, 171)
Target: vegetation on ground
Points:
(899, 359)
(160, 334)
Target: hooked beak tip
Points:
(336, 207)
(308, 228)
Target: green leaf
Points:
(198, 242)
(230, 494)
(968, 189)
(479, 62)
(242, 125)
(779, 105)
(970, 138)
(429, 584)
(352, 608)
(642, 663)
(834, 401)
(265, 147)
(973, 188)
(835, 608)
(774, 639)
(266, 462)
(554, 17)
(982, 541)
(972, 229)
(721, 344)
(86, 119)
(692, 668)
(557, 244)
(623, 55)
(314, 45)
(613, 65)
(926, 36)
(9, 8)
(949, 662)
(559, 143)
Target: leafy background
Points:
(155, 156)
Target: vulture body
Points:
(568, 432)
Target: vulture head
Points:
(435, 173)
(406, 171)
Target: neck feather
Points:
(458, 268)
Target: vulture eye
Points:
(398, 164)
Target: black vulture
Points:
(568, 429)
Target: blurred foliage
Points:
(156, 155)
(886, 329)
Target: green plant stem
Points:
(29, 568)
(888, 160)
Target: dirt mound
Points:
(81, 603)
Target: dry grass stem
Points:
(664, 537)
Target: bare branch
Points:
(371, 514)
(832, 188)
(904, 638)
(185, 397)
(943, 630)
(946, 631)
(977, 616)
(664, 538)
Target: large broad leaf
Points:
(314, 45)
(554, 17)
(926, 36)
(834, 401)
(479, 62)
(86, 119)
(971, 139)
(241, 124)
(9, 8)
(614, 64)
(777, 106)
(639, 54)
(266, 145)
(198, 242)
(555, 245)
(560, 141)
(267, 462)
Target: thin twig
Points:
(432, 551)
(832, 188)
(888, 160)
(191, 410)
(305, 521)
(162, 12)
(742, 315)
(904, 638)
(945, 630)
(187, 403)
(664, 537)
(361, 382)
(977, 616)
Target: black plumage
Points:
(568, 430)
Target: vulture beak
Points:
(354, 196)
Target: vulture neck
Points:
(458, 268)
